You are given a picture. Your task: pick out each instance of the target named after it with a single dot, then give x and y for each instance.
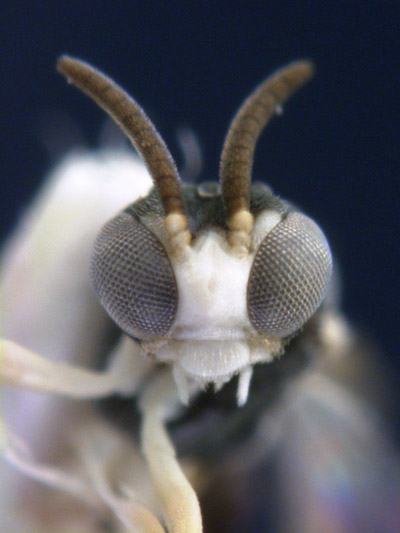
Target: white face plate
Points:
(213, 338)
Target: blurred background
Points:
(335, 150)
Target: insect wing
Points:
(47, 302)
(338, 468)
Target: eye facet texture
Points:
(133, 278)
(289, 277)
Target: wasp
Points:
(206, 364)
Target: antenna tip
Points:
(70, 66)
(63, 62)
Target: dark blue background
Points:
(335, 151)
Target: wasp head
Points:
(212, 278)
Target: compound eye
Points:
(133, 278)
(289, 277)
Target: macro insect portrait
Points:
(196, 378)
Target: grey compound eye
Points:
(133, 278)
(289, 277)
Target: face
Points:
(210, 312)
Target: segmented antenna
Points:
(137, 126)
(250, 120)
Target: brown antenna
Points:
(137, 126)
(246, 127)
